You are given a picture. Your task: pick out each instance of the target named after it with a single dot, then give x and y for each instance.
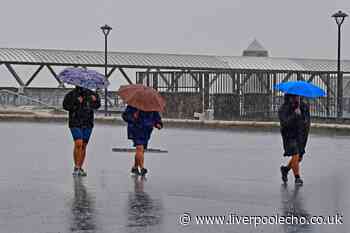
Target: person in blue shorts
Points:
(81, 103)
(140, 127)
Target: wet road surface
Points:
(206, 172)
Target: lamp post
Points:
(105, 30)
(339, 19)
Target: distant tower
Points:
(255, 49)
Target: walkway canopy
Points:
(156, 62)
(213, 81)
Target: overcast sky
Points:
(287, 28)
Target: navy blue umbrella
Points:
(300, 88)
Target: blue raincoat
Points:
(140, 128)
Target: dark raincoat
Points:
(294, 128)
(140, 129)
(81, 115)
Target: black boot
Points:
(135, 171)
(298, 180)
(284, 173)
(143, 171)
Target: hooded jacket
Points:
(81, 115)
(140, 128)
(294, 128)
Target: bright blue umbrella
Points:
(82, 77)
(300, 88)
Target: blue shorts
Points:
(138, 142)
(81, 133)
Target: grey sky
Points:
(287, 28)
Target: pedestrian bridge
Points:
(234, 87)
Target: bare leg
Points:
(294, 164)
(78, 147)
(139, 158)
(83, 154)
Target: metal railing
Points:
(15, 99)
(240, 94)
(52, 101)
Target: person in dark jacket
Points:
(81, 103)
(140, 127)
(294, 117)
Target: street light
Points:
(105, 30)
(339, 19)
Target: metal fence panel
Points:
(246, 94)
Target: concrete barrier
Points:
(46, 116)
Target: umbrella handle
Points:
(136, 115)
(158, 126)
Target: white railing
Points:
(11, 98)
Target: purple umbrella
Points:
(82, 77)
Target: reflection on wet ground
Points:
(292, 205)
(206, 172)
(83, 212)
(143, 212)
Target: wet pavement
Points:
(206, 172)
